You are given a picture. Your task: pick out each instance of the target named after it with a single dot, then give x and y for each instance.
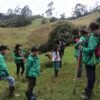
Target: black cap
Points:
(17, 46)
(34, 48)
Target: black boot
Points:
(56, 73)
(28, 95)
(11, 91)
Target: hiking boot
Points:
(33, 98)
(28, 95)
(11, 91)
(84, 97)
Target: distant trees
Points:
(79, 10)
(62, 16)
(50, 9)
(16, 17)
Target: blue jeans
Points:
(56, 65)
(10, 80)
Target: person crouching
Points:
(4, 74)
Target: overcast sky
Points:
(40, 6)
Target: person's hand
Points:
(80, 47)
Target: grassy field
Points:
(50, 88)
(86, 20)
(36, 32)
(11, 36)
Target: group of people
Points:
(32, 69)
(87, 44)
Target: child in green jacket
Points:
(4, 74)
(32, 72)
(89, 59)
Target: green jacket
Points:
(3, 67)
(82, 38)
(89, 57)
(17, 58)
(32, 66)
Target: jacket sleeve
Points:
(91, 45)
(78, 43)
(16, 58)
(28, 65)
(38, 67)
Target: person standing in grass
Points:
(32, 72)
(62, 46)
(56, 60)
(19, 59)
(4, 74)
(83, 37)
(90, 60)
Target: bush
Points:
(61, 31)
(53, 19)
(98, 20)
(44, 21)
(16, 21)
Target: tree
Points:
(79, 10)
(26, 12)
(10, 11)
(17, 10)
(62, 16)
(50, 9)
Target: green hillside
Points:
(36, 32)
(86, 20)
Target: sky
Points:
(40, 6)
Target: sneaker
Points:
(84, 97)
(33, 98)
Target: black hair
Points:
(55, 48)
(94, 26)
(83, 31)
(17, 46)
(34, 48)
(3, 47)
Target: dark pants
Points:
(61, 56)
(20, 65)
(31, 83)
(90, 71)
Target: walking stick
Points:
(78, 66)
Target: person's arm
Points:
(28, 65)
(77, 44)
(92, 44)
(17, 58)
(38, 66)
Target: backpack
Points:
(97, 50)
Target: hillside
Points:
(86, 20)
(36, 32)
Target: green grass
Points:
(11, 36)
(50, 88)
(86, 20)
